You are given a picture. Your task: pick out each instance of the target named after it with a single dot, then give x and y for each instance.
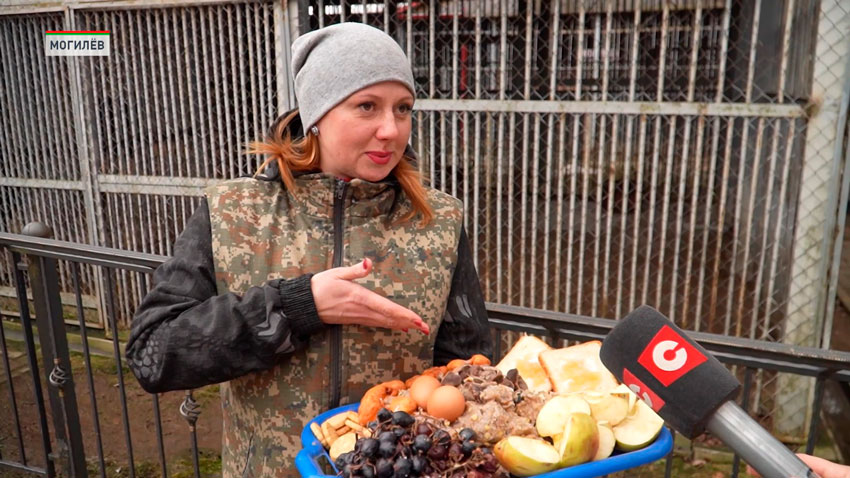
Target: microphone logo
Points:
(642, 391)
(663, 349)
(669, 356)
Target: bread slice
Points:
(577, 369)
(523, 356)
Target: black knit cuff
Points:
(296, 301)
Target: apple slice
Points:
(633, 398)
(609, 407)
(639, 429)
(606, 441)
(526, 456)
(552, 417)
(579, 440)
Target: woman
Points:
(303, 287)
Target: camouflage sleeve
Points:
(465, 330)
(185, 336)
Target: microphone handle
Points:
(755, 445)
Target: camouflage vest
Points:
(262, 232)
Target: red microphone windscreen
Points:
(674, 375)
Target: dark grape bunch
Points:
(402, 447)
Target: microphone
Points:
(691, 390)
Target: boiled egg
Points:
(421, 389)
(446, 402)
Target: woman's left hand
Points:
(339, 300)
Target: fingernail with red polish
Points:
(404, 330)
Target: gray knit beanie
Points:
(332, 63)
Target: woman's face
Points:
(365, 135)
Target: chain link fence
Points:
(684, 154)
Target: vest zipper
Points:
(336, 330)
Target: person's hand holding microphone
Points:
(824, 468)
(339, 300)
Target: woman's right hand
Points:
(339, 300)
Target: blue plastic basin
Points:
(312, 451)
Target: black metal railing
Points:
(65, 451)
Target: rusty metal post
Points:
(44, 280)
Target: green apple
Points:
(609, 407)
(606, 441)
(552, 417)
(526, 456)
(579, 440)
(638, 429)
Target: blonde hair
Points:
(302, 154)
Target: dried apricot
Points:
(455, 364)
(479, 359)
(402, 403)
